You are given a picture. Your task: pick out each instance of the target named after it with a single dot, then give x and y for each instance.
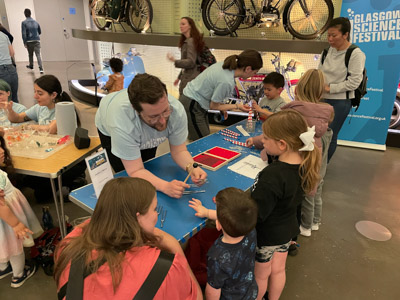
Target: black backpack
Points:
(362, 88)
(206, 59)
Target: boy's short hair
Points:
(236, 211)
(116, 64)
(276, 79)
(27, 13)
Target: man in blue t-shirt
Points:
(134, 121)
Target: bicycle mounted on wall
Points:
(138, 14)
(304, 19)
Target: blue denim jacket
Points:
(30, 30)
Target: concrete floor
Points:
(336, 262)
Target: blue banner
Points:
(376, 30)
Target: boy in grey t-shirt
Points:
(272, 102)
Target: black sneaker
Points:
(6, 272)
(29, 67)
(16, 282)
(293, 249)
(41, 70)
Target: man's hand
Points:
(175, 188)
(198, 176)
(176, 82)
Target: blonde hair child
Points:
(278, 190)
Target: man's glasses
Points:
(153, 120)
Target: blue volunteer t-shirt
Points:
(41, 114)
(230, 267)
(18, 108)
(129, 134)
(213, 84)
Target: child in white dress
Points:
(18, 226)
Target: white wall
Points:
(15, 15)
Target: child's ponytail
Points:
(309, 170)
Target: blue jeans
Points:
(9, 74)
(342, 108)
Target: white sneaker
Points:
(305, 231)
(315, 226)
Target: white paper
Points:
(249, 166)
(242, 130)
(99, 170)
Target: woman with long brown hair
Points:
(191, 44)
(120, 245)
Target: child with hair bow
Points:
(309, 91)
(278, 190)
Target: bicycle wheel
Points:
(99, 11)
(223, 16)
(309, 18)
(395, 117)
(140, 15)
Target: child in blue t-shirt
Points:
(230, 261)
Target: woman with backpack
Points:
(340, 82)
(213, 86)
(191, 44)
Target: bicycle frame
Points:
(269, 5)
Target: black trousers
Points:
(115, 161)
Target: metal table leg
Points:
(61, 198)
(53, 189)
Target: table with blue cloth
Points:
(180, 221)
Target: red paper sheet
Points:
(208, 160)
(221, 152)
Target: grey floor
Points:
(336, 262)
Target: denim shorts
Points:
(264, 254)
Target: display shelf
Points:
(216, 42)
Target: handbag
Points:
(73, 288)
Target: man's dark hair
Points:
(342, 24)
(145, 88)
(236, 211)
(276, 79)
(116, 64)
(27, 12)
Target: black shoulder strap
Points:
(75, 279)
(73, 288)
(349, 51)
(156, 277)
(324, 54)
(348, 54)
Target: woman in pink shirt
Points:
(120, 245)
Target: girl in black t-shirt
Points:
(278, 190)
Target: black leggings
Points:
(115, 161)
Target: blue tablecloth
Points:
(181, 221)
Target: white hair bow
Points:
(308, 139)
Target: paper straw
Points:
(230, 132)
(228, 135)
(236, 142)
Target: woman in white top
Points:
(338, 78)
